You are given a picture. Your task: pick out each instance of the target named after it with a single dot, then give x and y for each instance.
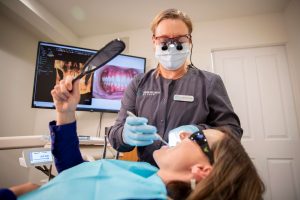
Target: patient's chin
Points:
(160, 154)
(155, 155)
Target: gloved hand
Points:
(174, 134)
(137, 132)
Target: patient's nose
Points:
(183, 135)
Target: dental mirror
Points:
(103, 56)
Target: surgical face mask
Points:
(174, 139)
(172, 59)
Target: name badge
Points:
(186, 98)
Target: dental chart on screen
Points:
(100, 91)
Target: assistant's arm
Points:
(221, 112)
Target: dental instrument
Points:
(156, 134)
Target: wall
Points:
(244, 32)
(17, 58)
(292, 16)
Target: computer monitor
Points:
(100, 91)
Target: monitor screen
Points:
(100, 91)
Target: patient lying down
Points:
(194, 169)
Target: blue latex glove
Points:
(137, 132)
(174, 134)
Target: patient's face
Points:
(185, 154)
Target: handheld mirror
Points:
(103, 56)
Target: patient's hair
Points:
(233, 176)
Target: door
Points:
(258, 83)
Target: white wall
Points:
(236, 33)
(17, 55)
(17, 58)
(292, 17)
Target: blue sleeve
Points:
(65, 145)
(6, 194)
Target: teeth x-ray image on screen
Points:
(69, 68)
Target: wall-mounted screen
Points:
(100, 91)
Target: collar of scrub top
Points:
(201, 140)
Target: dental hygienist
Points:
(174, 97)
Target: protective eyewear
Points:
(166, 40)
(201, 140)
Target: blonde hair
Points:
(172, 14)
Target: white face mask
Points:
(172, 59)
(174, 139)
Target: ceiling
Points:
(91, 17)
(82, 18)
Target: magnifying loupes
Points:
(166, 45)
(103, 56)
